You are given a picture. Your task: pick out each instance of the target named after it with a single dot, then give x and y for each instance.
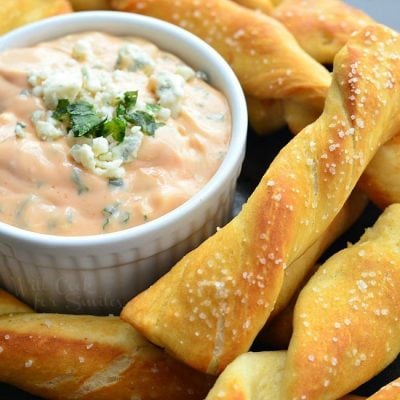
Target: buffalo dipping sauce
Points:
(101, 133)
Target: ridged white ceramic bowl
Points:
(98, 274)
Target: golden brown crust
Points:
(277, 332)
(251, 376)
(266, 58)
(80, 5)
(211, 305)
(298, 272)
(84, 357)
(322, 27)
(265, 6)
(11, 305)
(346, 320)
(381, 178)
(13, 16)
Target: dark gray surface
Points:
(259, 154)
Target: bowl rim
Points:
(49, 29)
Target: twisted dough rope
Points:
(251, 376)
(322, 28)
(61, 357)
(265, 56)
(255, 376)
(346, 327)
(278, 330)
(381, 178)
(208, 309)
(346, 319)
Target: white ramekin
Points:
(98, 274)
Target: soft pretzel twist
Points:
(69, 357)
(265, 56)
(211, 305)
(251, 376)
(256, 376)
(381, 179)
(346, 319)
(322, 27)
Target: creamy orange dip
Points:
(52, 181)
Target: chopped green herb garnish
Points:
(116, 128)
(128, 102)
(82, 118)
(61, 112)
(130, 99)
(146, 121)
(153, 108)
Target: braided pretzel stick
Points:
(255, 376)
(346, 319)
(208, 309)
(59, 356)
(265, 56)
(346, 327)
(322, 28)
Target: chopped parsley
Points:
(83, 120)
(116, 128)
(145, 120)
